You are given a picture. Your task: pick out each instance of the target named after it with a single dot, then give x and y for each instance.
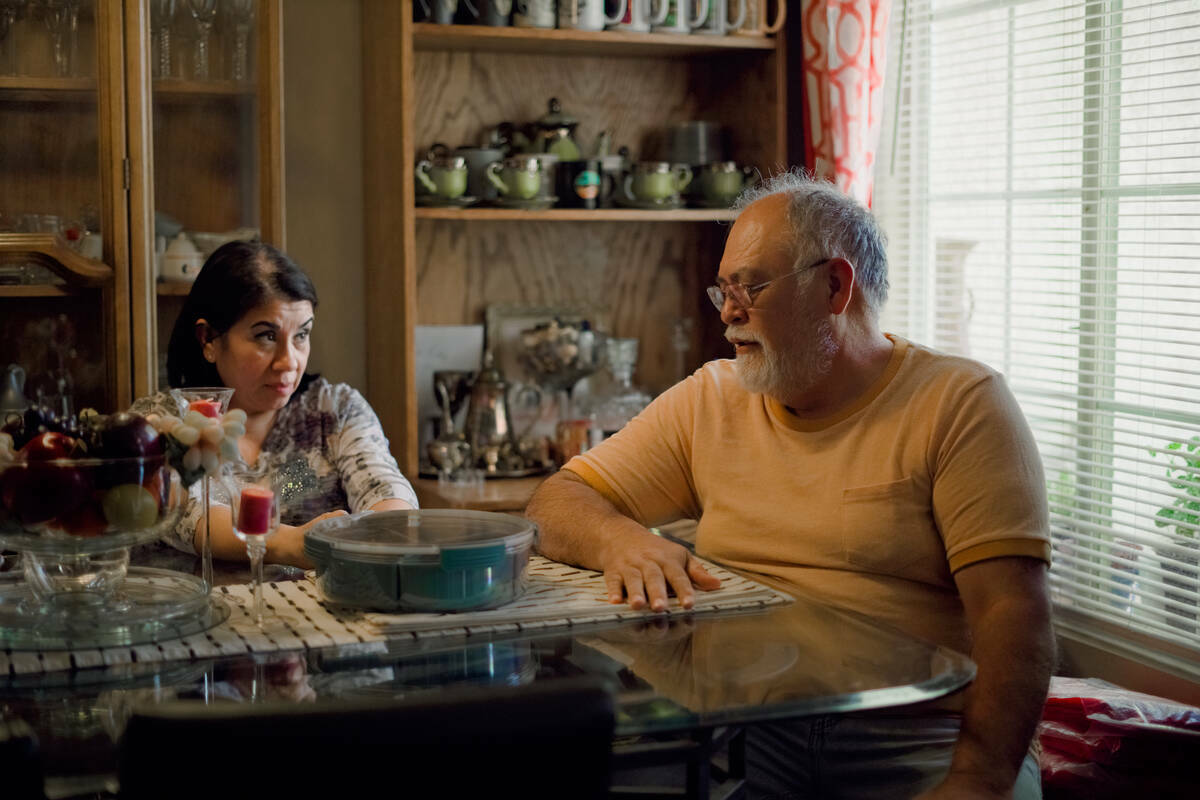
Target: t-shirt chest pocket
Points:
(888, 528)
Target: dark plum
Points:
(127, 435)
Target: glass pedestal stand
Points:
(76, 589)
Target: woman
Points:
(246, 324)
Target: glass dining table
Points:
(683, 676)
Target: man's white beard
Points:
(783, 375)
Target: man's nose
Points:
(732, 313)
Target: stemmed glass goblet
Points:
(241, 13)
(162, 14)
(256, 519)
(10, 12)
(62, 18)
(203, 12)
(211, 401)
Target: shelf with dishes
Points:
(553, 41)
(51, 252)
(578, 214)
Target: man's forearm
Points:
(1014, 650)
(576, 523)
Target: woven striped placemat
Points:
(556, 596)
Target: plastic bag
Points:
(1099, 740)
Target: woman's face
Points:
(263, 356)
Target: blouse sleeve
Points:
(359, 451)
(182, 536)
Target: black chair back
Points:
(549, 740)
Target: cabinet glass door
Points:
(57, 293)
(206, 140)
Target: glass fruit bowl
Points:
(73, 521)
(79, 506)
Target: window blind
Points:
(1039, 181)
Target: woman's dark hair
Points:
(237, 278)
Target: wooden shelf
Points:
(52, 252)
(34, 89)
(501, 494)
(579, 214)
(180, 90)
(538, 41)
(36, 290)
(173, 288)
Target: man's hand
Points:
(639, 567)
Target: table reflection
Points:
(671, 675)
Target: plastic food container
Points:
(426, 560)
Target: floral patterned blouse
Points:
(325, 451)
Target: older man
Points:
(833, 459)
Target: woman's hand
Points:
(287, 545)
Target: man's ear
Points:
(841, 285)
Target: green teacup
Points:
(517, 178)
(445, 177)
(656, 181)
(721, 182)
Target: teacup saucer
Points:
(436, 201)
(668, 204)
(533, 204)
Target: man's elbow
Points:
(553, 491)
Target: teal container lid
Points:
(453, 538)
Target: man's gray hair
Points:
(827, 223)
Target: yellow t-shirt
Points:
(872, 509)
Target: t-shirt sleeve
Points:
(989, 491)
(644, 469)
(359, 451)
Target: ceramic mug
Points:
(717, 23)
(534, 14)
(517, 178)
(588, 15)
(655, 181)
(496, 13)
(477, 159)
(445, 176)
(638, 17)
(577, 183)
(757, 12)
(680, 19)
(720, 183)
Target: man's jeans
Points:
(852, 757)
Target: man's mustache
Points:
(733, 333)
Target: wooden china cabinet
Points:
(100, 133)
(426, 83)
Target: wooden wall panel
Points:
(646, 275)
(49, 157)
(204, 155)
(461, 95)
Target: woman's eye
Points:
(302, 335)
(266, 336)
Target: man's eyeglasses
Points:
(743, 295)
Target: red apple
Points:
(49, 446)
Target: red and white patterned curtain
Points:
(844, 45)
